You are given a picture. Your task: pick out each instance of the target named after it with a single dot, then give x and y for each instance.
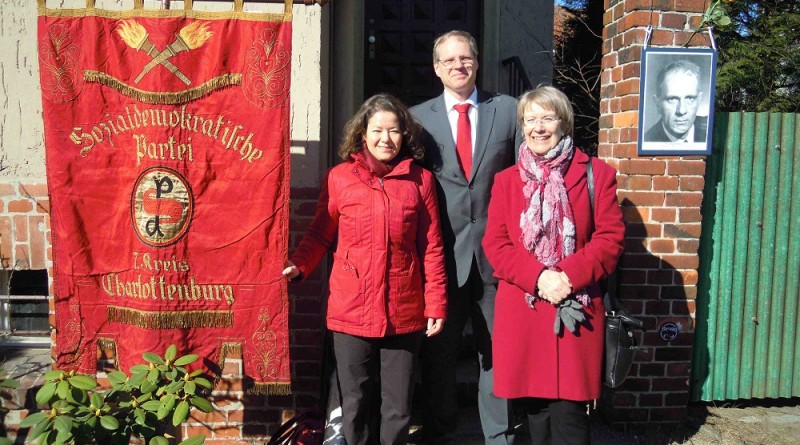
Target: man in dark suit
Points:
(470, 136)
(677, 100)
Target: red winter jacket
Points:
(388, 273)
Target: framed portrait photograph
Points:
(676, 101)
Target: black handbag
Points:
(620, 342)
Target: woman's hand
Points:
(291, 271)
(435, 326)
(554, 286)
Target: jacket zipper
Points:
(388, 250)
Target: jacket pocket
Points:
(346, 302)
(409, 300)
(344, 275)
(354, 212)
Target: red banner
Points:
(167, 143)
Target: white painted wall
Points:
(21, 131)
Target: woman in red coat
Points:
(387, 285)
(549, 252)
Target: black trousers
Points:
(363, 363)
(475, 301)
(556, 421)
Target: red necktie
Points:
(464, 139)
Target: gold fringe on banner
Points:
(171, 319)
(271, 389)
(92, 11)
(227, 348)
(168, 98)
(108, 343)
(107, 358)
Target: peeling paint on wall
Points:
(21, 133)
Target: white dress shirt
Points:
(452, 114)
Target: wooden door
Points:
(399, 43)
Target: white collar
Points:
(450, 101)
(689, 135)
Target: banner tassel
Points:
(165, 98)
(171, 319)
(271, 389)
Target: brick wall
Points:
(24, 226)
(239, 418)
(660, 198)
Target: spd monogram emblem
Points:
(161, 206)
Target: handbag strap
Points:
(610, 300)
(284, 432)
(590, 184)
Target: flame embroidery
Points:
(188, 38)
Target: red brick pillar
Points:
(660, 198)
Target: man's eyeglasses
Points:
(545, 121)
(466, 61)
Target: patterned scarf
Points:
(548, 225)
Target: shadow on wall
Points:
(27, 366)
(656, 393)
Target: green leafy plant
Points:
(716, 16)
(149, 403)
(6, 383)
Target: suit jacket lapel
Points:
(486, 113)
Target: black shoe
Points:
(418, 437)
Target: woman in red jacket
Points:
(387, 285)
(549, 252)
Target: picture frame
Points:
(676, 101)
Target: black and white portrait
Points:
(676, 101)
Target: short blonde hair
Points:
(553, 99)
(456, 34)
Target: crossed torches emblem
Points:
(188, 38)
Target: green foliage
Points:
(716, 15)
(156, 395)
(759, 63)
(5, 384)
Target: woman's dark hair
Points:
(356, 127)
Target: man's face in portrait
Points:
(677, 102)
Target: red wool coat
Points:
(388, 273)
(529, 359)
